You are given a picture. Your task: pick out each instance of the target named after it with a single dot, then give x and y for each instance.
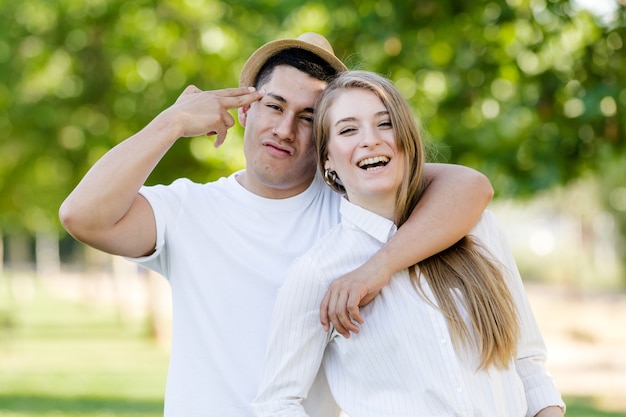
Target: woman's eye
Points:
(386, 123)
(346, 130)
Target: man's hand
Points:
(346, 294)
(198, 112)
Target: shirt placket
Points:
(458, 395)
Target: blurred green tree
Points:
(530, 92)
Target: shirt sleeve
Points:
(296, 344)
(539, 386)
(166, 202)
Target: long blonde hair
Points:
(462, 273)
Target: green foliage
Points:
(530, 92)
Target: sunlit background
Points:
(530, 92)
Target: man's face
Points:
(279, 150)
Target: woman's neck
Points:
(385, 207)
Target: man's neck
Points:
(272, 192)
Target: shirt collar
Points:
(371, 223)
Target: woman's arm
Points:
(542, 396)
(451, 205)
(296, 345)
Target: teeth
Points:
(374, 160)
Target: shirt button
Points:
(443, 340)
(459, 389)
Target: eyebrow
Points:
(351, 119)
(284, 101)
(277, 97)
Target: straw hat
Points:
(310, 41)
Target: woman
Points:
(452, 336)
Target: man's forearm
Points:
(450, 207)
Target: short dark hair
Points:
(300, 59)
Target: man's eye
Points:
(274, 107)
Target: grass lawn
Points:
(63, 358)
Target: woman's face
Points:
(362, 150)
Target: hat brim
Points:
(253, 65)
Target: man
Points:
(225, 246)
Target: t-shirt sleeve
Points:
(166, 202)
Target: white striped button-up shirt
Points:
(402, 362)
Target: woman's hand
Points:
(552, 411)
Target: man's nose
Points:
(285, 128)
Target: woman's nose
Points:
(370, 138)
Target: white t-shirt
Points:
(402, 362)
(225, 252)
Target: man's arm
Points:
(105, 210)
(450, 207)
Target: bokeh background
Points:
(530, 92)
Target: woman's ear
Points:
(327, 165)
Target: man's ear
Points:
(242, 114)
